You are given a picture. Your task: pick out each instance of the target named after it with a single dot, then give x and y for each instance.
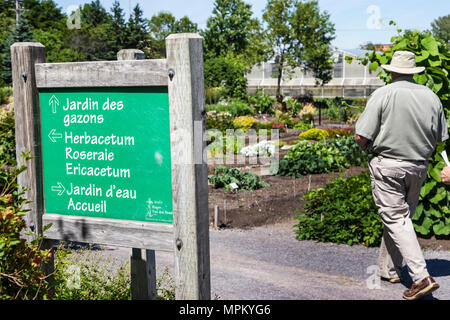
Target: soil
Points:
(282, 200)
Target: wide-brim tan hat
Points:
(403, 62)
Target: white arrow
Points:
(53, 135)
(60, 188)
(53, 102)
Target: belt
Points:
(413, 161)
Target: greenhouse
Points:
(349, 80)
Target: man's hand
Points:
(362, 142)
(445, 175)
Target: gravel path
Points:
(269, 263)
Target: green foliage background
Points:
(433, 213)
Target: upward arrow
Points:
(53, 102)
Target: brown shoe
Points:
(418, 290)
(392, 280)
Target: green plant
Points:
(86, 274)
(223, 145)
(302, 126)
(165, 285)
(307, 113)
(284, 119)
(321, 157)
(219, 121)
(5, 95)
(263, 103)
(213, 95)
(341, 212)
(21, 277)
(245, 123)
(314, 134)
(293, 106)
(7, 137)
(227, 72)
(235, 108)
(433, 211)
(224, 176)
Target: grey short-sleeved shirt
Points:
(404, 120)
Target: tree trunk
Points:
(280, 75)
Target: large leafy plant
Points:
(341, 212)
(433, 213)
(321, 157)
(245, 181)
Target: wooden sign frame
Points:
(182, 72)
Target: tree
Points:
(162, 25)
(91, 41)
(230, 29)
(118, 29)
(441, 28)
(298, 34)
(43, 15)
(20, 33)
(94, 15)
(137, 31)
(233, 44)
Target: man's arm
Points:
(362, 142)
(445, 175)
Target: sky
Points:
(356, 21)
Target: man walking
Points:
(400, 127)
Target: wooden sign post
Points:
(119, 149)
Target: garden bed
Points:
(282, 199)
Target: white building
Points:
(349, 80)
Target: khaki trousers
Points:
(396, 186)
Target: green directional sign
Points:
(106, 153)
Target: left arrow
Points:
(53, 135)
(53, 102)
(59, 188)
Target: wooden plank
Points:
(138, 272)
(123, 73)
(143, 271)
(24, 55)
(189, 168)
(150, 259)
(122, 233)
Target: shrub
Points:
(220, 121)
(236, 108)
(85, 274)
(321, 157)
(224, 145)
(314, 134)
(245, 123)
(333, 133)
(293, 106)
(341, 212)
(213, 95)
(279, 127)
(308, 113)
(6, 95)
(227, 72)
(262, 103)
(302, 126)
(7, 137)
(21, 277)
(246, 181)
